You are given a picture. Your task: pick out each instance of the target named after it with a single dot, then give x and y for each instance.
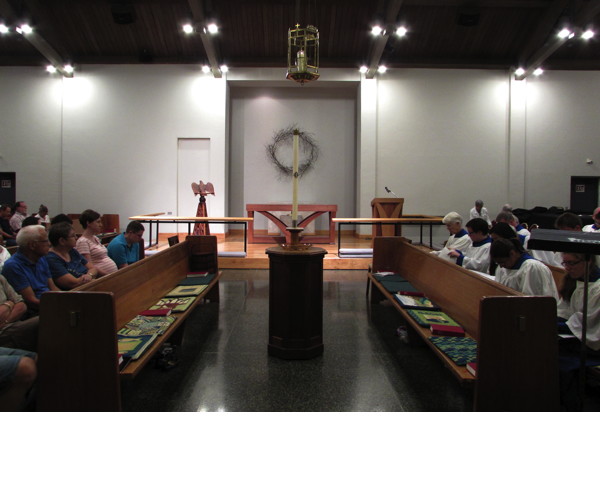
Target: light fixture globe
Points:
(303, 54)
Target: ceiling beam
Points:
(378, 46)
(584, 16)
(210, 47)
(35, 39)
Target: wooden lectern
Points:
(387, 208)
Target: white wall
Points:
(438, 138)
(563, 130)
(120, 136)
(328, 114)
(30, 134)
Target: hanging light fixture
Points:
(303, 54)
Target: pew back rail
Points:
(517, 347)
(78, 363)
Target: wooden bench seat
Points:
(78, 354)
(517, 358)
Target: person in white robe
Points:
(595, 227)
(520, 271)
(477, 256)
(459, 238)
(570, 306)
(480, 212)
(522, 232)
(567, 221)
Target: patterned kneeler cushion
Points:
(461, 350)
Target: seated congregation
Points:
(44, 257)
(503, 257)
(482, 264)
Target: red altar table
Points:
(316, 211)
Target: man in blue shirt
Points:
(27, 270)
(124, 249)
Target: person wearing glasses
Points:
(570, 324)
(68, 267)
(519, 270)
(477, 256)
(124, 249)
(27, 270)
(570, 306)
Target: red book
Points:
(448, 330)
(472, 368)
(156, 312)
(413, 294)
(197, 274)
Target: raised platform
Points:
(256, 257)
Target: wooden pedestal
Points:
(295, 302)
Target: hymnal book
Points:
(186, 291)
(428, 318)
(461, 350)
(415, 302)
(133, 347)
(449, 330)
(197, 274)
(204, 279)
(156, 311)
(146, 325)
(176, 304)
(472, 368)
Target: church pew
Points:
(517, 360)
(77, 346)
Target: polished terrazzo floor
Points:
(224, 365)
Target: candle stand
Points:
(295, 299)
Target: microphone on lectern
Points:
(388, 190)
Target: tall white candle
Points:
(295, 180)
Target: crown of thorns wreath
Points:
(309, 151)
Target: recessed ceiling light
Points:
(224, 68)
(401, 31)
(24, 29)
(376, 30)
(51, 69)
(205, 68)
(587, 34)
(382, 69)
(212, 28)
(363, 69)
(538, 72)
(187, 29)
(519, 71)
(4, 28)
(68, 68)
(564, 33)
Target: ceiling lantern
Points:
(303, 54)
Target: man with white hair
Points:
(459, 238)
(27, 270)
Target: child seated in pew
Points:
(68, 267)
(459, 238)
(477, 256)
(519, 270)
